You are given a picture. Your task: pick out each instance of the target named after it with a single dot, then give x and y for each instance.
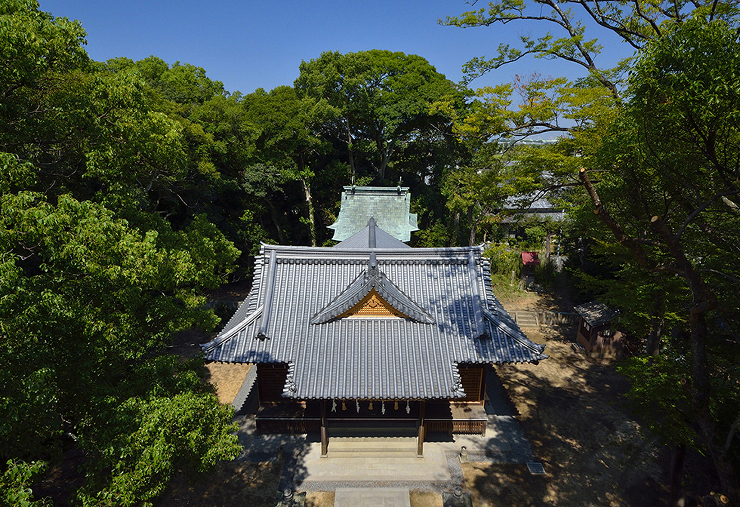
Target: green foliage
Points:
(163, 419)
(15, 484)
(103, 259)
(666, 203)
(380, 103)
(504, 259)
(657, 395)
(14, 174)
(435, 236)
(545, 274)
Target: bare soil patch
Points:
(425, 499)
(573, 411)
(230, 485)
(227, 378)
(320, 499)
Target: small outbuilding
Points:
(595, 331)
(530, 260)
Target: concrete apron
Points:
(372, 497)
(394, 466)
(374, 467)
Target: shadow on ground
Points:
(572, 410)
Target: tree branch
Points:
(720, 273)
(612, 224)
(731, 434)
(701, 208)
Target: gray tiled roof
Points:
(372, 357)
(595, 313)
(389, 205)
(360, 239)
(518, 207)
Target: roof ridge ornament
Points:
(267, 305)
(477, 301)
(371, 232)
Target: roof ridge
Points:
(207, 347)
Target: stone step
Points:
(380, 430)
(526, 319)
(371, 447)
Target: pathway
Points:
(372, 497)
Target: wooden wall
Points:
(473, 382)
(270, 381)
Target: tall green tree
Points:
(668, 193)
(94, 280)
(287, 128)
(382, 100)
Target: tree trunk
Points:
(385, 154)
(349, 152)
(677, 497)
(548, 247)
(656, 328)
(309, 203)
(473, 227)
(703, 301)
(276, 221)
(455, 229)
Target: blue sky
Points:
(250, 45)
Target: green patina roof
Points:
(388, 205)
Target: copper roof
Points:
(389, 205)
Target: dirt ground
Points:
(227, 378)
(571, 408)
(231, 484)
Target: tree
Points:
(479, 189)
(286, 138)
(636, 23)
(87, 303)
(668, 193)
(577, 111)
(382, 102)
(94, 281)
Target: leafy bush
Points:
(504, 259)
(15, 482)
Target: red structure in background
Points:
(530, 259)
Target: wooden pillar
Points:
(483, 386)
(422, 432)
(324, 439)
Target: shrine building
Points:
(371, 335)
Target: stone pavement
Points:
(372, 497)
(358, 468)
